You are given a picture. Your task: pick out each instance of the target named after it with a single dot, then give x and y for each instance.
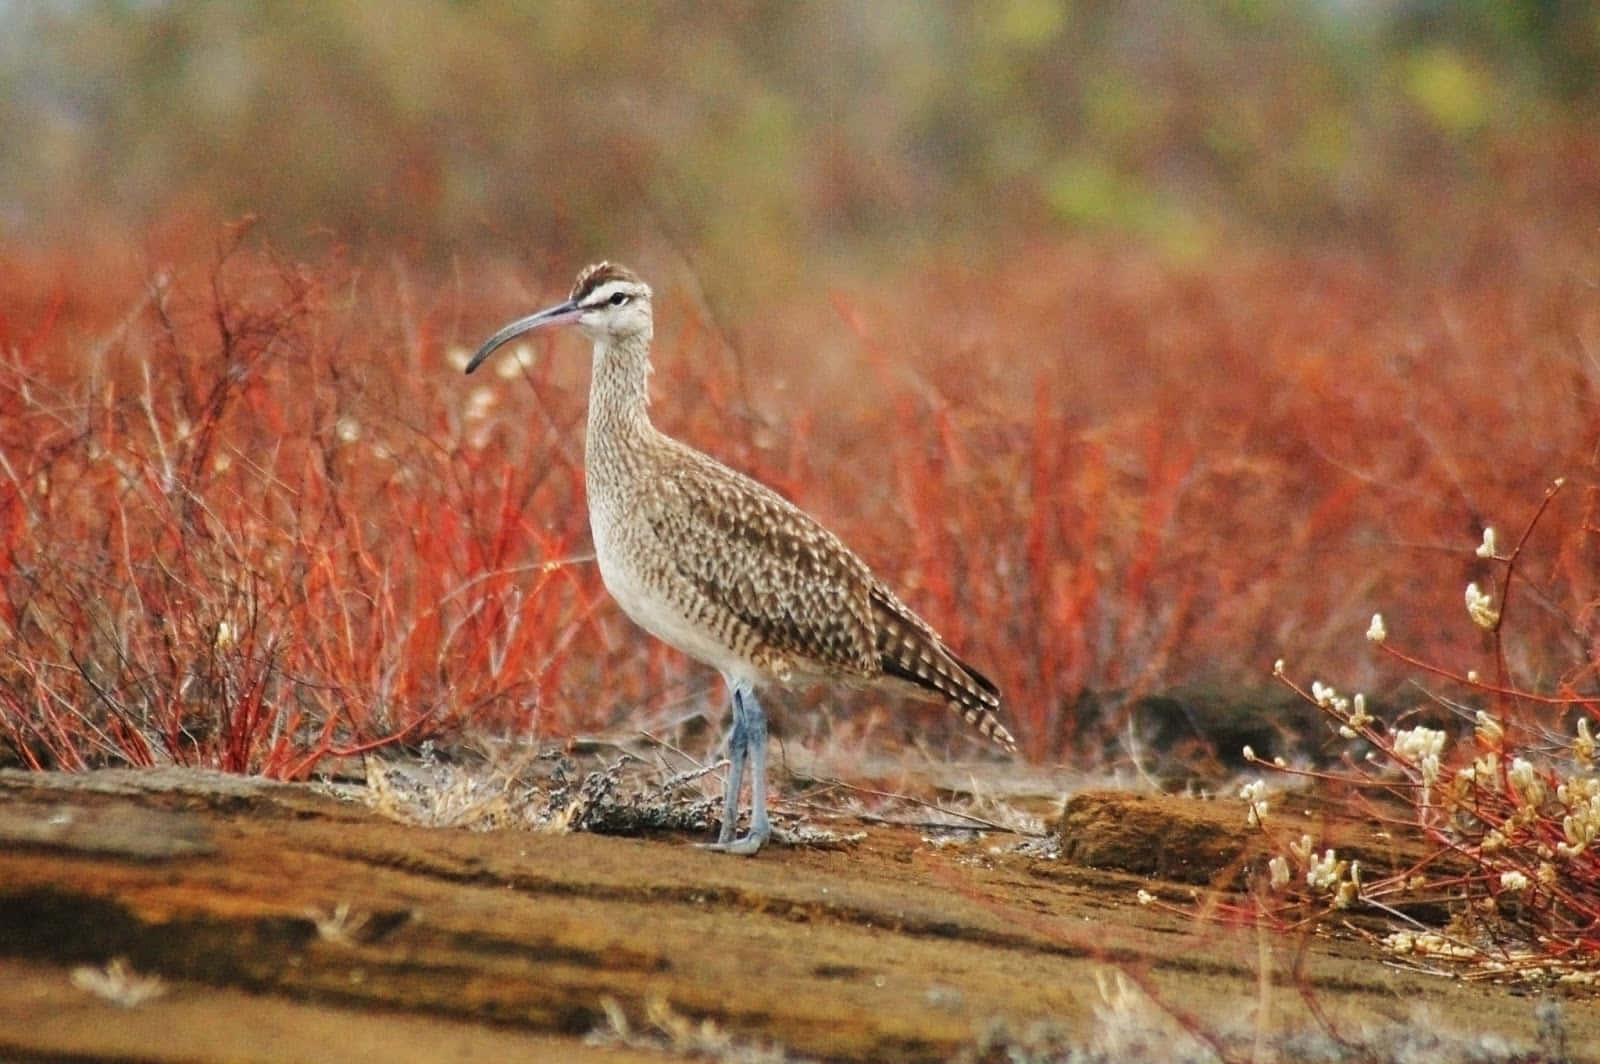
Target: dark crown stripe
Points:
(600, 273)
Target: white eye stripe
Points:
(608, 295)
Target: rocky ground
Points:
(174, 916)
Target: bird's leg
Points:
(747, 741)
(738, 749)
(756, 751)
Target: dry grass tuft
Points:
(547, 793)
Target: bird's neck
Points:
(619, 399)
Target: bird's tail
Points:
(911, 651)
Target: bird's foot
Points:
(745, 845)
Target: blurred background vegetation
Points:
(755, 137)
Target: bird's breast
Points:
(641, 575)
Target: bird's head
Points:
(608, 303)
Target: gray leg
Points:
(747, 741)
(738, 750)
(756, 744)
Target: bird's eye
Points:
(619, 299)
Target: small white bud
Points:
(1583, 747)
(1531, 790)
(1376, 632)
(1488, 549)
(1358, 712)
(1350, 889)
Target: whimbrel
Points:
(726, 569)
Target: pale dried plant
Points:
(340, 924)
(118, 983)
(1513, 812)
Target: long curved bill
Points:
(560, 314)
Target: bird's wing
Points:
(745, 550)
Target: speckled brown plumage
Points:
(722, 567)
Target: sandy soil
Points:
(274, 923)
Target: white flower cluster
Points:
(1256, 794)
(1581, 825)
(1325, 874)
(1480, 607)
(1352, 711)
(1420, 747)
(1530, 789)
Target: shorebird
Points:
(724, 568)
